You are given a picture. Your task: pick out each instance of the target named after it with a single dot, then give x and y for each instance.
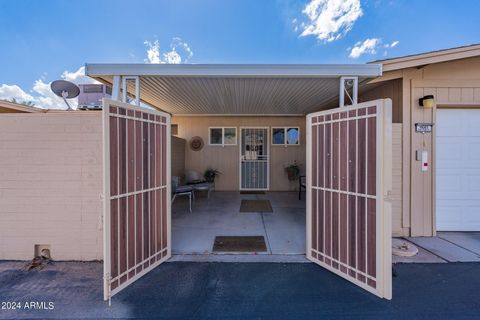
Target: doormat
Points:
(256, 206)
(252, 192)
(239, 244)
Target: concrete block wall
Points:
(50, 185)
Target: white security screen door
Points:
(348, 180)
(137, 193)
(254, 159)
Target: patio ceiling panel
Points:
(236, 89)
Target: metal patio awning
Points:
(233, 89)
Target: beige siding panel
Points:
(476, 95)
(226, 159)
(178, 156)
(454, 84)
(389, 89)
(465, 69)
(397, 187)
(50, 185)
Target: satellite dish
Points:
(65, 89)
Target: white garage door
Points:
(458, 170)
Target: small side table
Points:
(205, 186)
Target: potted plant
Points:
(293, 171)
(210, 174)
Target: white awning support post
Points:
(345, 84)
(119, 85)
(116, 88)
(137, 88)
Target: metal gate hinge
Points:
(388, 196)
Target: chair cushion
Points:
(181, 189)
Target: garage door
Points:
(458, 170)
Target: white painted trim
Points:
(308, 189)
(106, 201)
(431, 57)
(235, 70)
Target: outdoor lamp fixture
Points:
(426, 101)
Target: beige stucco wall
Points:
(226, 159)
(50, 184)
(178, 156)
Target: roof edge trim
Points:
(235, 70)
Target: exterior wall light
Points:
(426, 101)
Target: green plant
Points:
(210, 174)
(293, 171)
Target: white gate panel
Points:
(349, 174)
(136, 193)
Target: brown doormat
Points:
(256, 206)
(239, 244)
(252, 192)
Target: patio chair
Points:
(178, 190)
(193, 177)
(302, 184)
(196, 180)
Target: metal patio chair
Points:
(198, 183)
(178, 190)
(302, 184)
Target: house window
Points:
(222, 136)
(286, 136)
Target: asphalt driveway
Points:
(240, 291)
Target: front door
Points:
(136, 212)
(349, 163)
(254, 159)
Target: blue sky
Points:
(46, 40)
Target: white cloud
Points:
(329, 20)
(391, 45)
(180, 52)
(41, 94)
(368, 46)
(153, 51)
(78, 77)
(9, 92)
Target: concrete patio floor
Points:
(193, 233)
(283, 229)
(447, 246)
